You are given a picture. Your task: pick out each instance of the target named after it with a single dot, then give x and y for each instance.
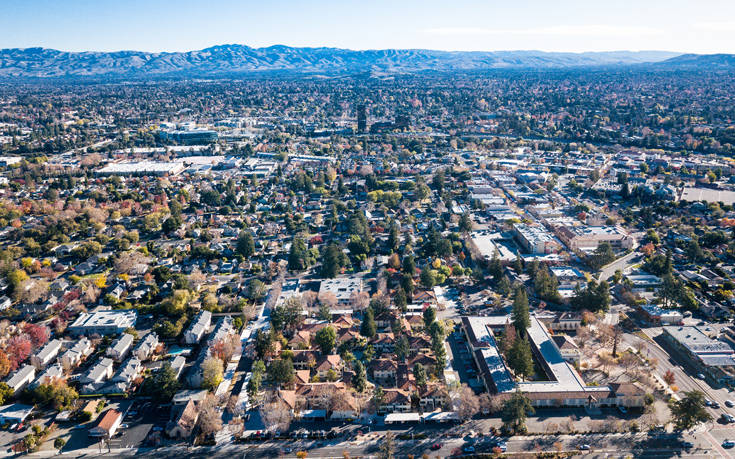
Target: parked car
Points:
(585, 447)
(469, 449)
(623, 410)
(715, 405)
(728, 444)
(729, 403)
(436, 446)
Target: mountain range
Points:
(241, 59)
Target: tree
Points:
(39, 334)
(602, 256)
(163, 384)
(325, 339)
(669, 377)
(387, 447)
(419, 373)
(368, 327)
(429, 317)
(359, 379)
(402, 348)
(59, 444)
(210, 417)
(520, 358)
(276, 414)
(466, 404)
(520, 313)
(245, 244)
(333, 260)
(515, 411)
(465, 223)
(298, 257)
(281, 371)
(689, 411)
(428, 277)
(5, 392)
(212, 372)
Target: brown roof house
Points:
(184, 421)
(108, 425)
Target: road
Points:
(713, 432)
(601, 445)
(623, 263)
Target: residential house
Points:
(46, 355)
(22, 378)
(108, 425)
(185, 419)
(145, 349)
(72, 357)
(198, 328)
(120, 347)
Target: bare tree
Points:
(465, 403)
(360, 300)
(130, 261)
(276, 415)
(197, 278)
(328, 299)
(210, 418)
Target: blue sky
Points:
(702, 26)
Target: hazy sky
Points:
(702, 26)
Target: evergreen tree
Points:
(368, 328)
(359, 379)
(520, 313)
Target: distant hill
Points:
(700, 61)
(229, 59)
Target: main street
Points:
(601, 445)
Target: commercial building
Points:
(142, 168)
(343, 288)
(191, 137)
(15, 413)
(587, 238)
(361, 119)
(716, 359)
(536, 239)
(562, 386)
(104, 322)
(659, 316)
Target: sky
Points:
(697, 26)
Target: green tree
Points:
(465, 223)
(245, 244)
(419, 373)
(520, 359)
(281, 371)
(5, 392)
(298, 256)
(428, 277)
(402, 348)
(429, 317)
(689, 410)
(59, 443)
(368, 328)
(359, 379)
(333, 260)
(325, 339)
(515, 411)
(163, 384)
(520, 313)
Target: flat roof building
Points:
(104, 322)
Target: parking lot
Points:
(462, 360)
